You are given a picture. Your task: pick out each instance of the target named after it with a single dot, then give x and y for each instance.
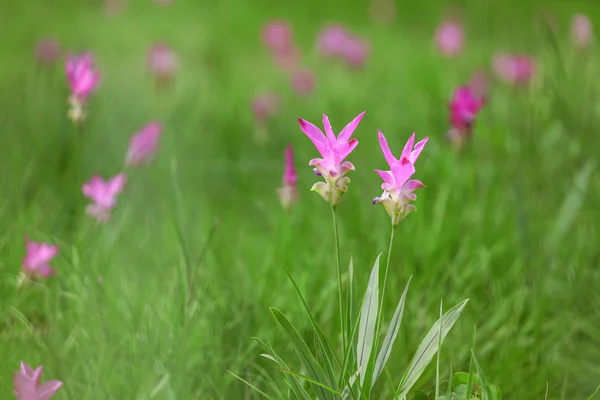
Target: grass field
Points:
(162, 300)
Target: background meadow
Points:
(510, 222)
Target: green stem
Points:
(339, 276)
(385, 275)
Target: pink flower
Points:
(37, 257)
(277, 35)
(332, 40)
(47, 50)
(264, 107)
(464, 107)
(514, 68)
(162, 61)
(143, 145)
(355, 51)
(103, 195)
(582, 31)
(449, 38)
(82, 75)
(398, 188)
(334, 151)
(303, 81)
(288, 194)
(27, 384)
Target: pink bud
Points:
(331, 40)
(144, 144)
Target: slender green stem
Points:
(385, 275)
(339, 276)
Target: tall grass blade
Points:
(368, 321)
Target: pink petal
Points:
(349, 129)
(385, 148)
(387, 176)
(402, 171)
(408, 147)
(315, 135)
(412, 185)
(331, 139)
(342, 150)
(48, 389)
(116, 184)
(414, 155)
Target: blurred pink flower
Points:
(27, 384)
(332, 40)
(449, 38)
(288, 194)
(514, 68)
(303, 81)
(37, 257)
(47, 50)
(398, 188)
(582, 31)
(479, 84)
(82, 75)
(143, 145)
(287, 59)
(162, 62)
(464, 107)
(355, 51)
(264, 107)
(277, 35)
(383, 11)
(103, 195)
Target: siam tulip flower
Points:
(516, 69)
(277, 35)
(355, 51)
(28, 387)
(83, 79)
(398, 188)
(303, 81)
(288, 194)
(464, 106)
(103, 195)
(36, 262)
(144, 144)
(162, 62)
(582, 31)
(383, 11)
(47, 50)
(449, 38)
(332, 166)
(332, 40)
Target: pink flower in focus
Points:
(288, 194)
(38, 255)
(582, 31)
(27, 384)
(83, 79)
(264, 107)
(464, 107)
(47, 50)
(162, 62)
(144, 144)
(398, 188)
(355, 51)
(332, 40)
(103, 195)
(332, 166)
(277, 36)
(303, 81)
(449, 38)
(514, 68)
(383, 11)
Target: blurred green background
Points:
(511, 222)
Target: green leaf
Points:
(428, 347)
(460, 378)
(487, 392)
(390, 336)
(311, 364)
(348, 388)
(368, 321)
(252, 386)
(420, 395)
